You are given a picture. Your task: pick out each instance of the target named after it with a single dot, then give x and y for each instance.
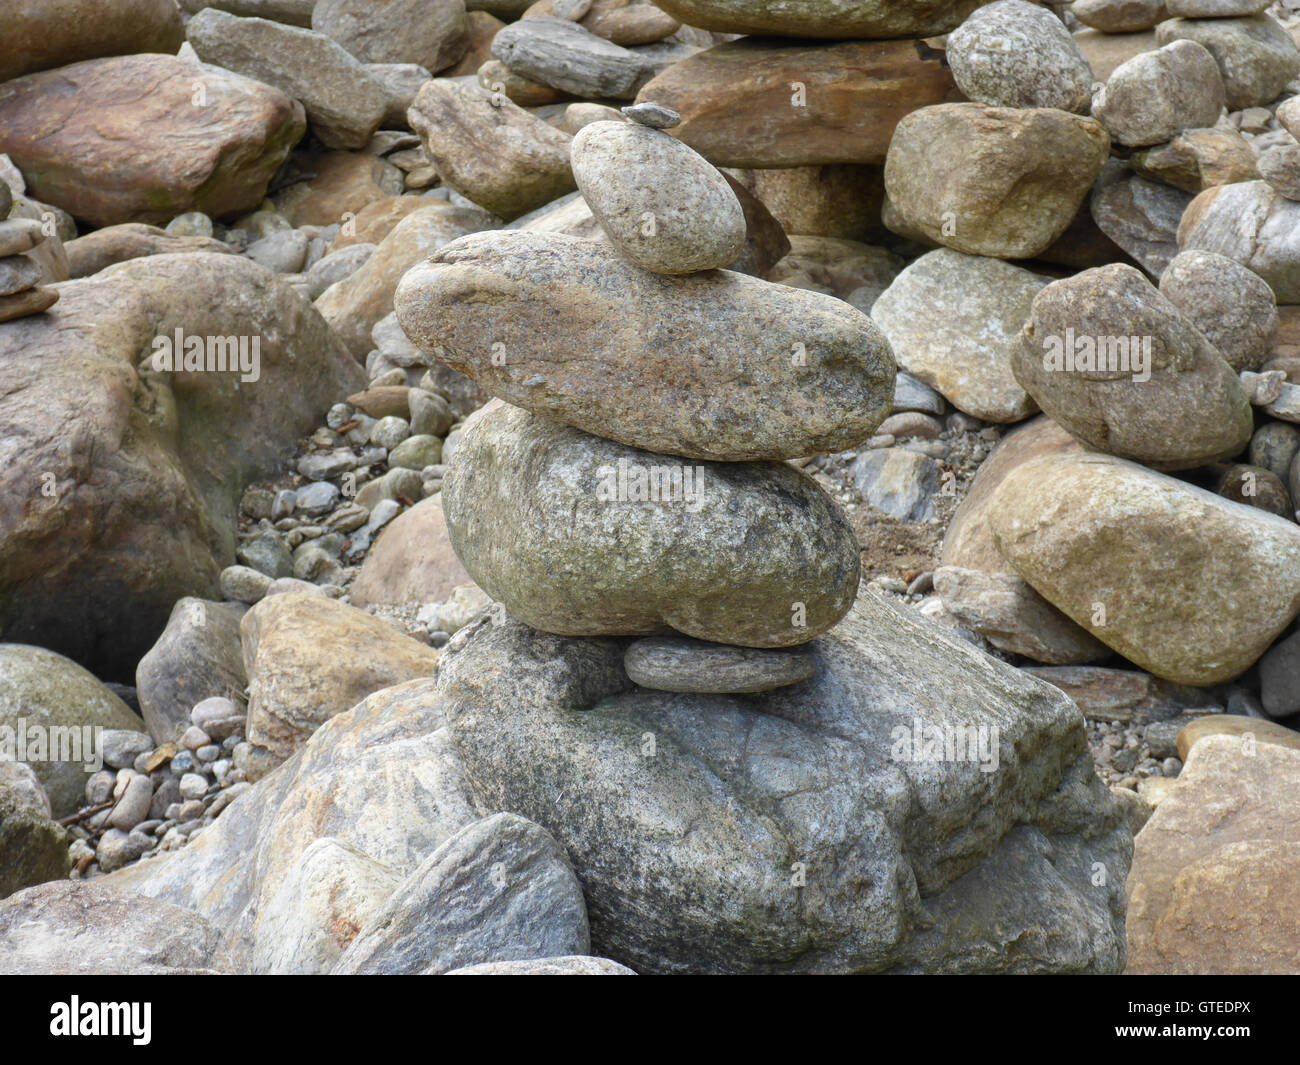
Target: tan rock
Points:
(412, 561)
(1198, 159)
(344, 183)
(41, 34)
(1246, 730)
(432, 33)
(1105, 51)
(376, 220)
(131, 240)
(483, 26)
(625, 22)
(824, 18)
(839, 200)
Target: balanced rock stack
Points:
(21, 292)
(638, 488)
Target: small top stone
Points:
(656, 116)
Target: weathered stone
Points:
(1280, 167)
(953, 321)
(801, 774)
(664, 207)
(816, 372)
(122, 139)
(738, 107)
(337, 187)
(432, 33)
(565, 56)
(296, 678)
(1002, 182)
(1149, 565)
(1232, 306)
(1157, 94)
(897, 483)
(823, 18)
(1119, 16)
(570, 966)
(1140, 216)
(856, 273)
(490, 150)
(412, 561)
(1126, 695)
(1253, 224)
(95, 251)
(1255, 487)
(675, 664)
(343, 101)
(1015, 54)
(500, 889)
(839, 201)
(497, 78)
(1214, 870)
(1256, 56)
(614, 560)
(625, 22)
(41, 34)
(1197, 159)
(33, 849)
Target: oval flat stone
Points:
(718, 366)
(581, 536)
(674, 664)
(1237, 726)
(660, 202)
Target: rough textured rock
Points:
(1153, 96)
(1278, 670)
(331, 893)
(547, 520)
(95, 251)
(996, 181)
(838, 201)
(198, 656)
(40, 34)
(82, 929)
(625, 22)
(1150, 565)
(833, 856)
(566, 56)
(490, 150)
(570, 966)
(823, 18)
(1256, 56)
(856, 273)
(1015, 54)
(1280, 167)
(1232, 306)
(338, 187)
(123, 139)
(1213, 881)
(432, 33)
(1253, 224)
(33, 849)
(1118, 365)
(44, 691)
(726, 367)
(498, 890)
(125, 476)
(343, 101)
(1007, 612)
(1119, 16)
(1140, 216)
(781, 103)
(664, 207)
(953, 321)
(1197, 159)
(355, 305)
(675, 664)
(296, 678)
(412, 560)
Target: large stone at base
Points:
(1213, 885)
(550, 521)
(120, 481)
(788, 832)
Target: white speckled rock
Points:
(1256, 56)
(663, 205)
(1156, 94)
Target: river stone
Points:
(491, 150)
(831, 19)
(412, 560)
(430, 33)
(1255, 487)
(758, 102)
(343, 101)
(1155, 391)
(856, 273)
(1212, 887)
(1148, 564)
(296, 678)
(1015, 54)
(996, 181)
(1252, 223)
(1157, 94)
(1273, 447)
(837, 853)
(559, 53)
(1280, 167)
(726, 367)
(664, 207)
(1119, 16)
(500, 889)
(68, 928)
(953, 321)
(1197, 159)
(752, 554)
(18, 273)
(33, 848)
(197, 657)
(95, 251)
(1232, 306)
(356, 305)
(121, 139)
(675, 664)
(1140, 216)
(336, 187)
(573, 965)
(1256, 56)
(41, 34)
(381, 779)
(44, 691)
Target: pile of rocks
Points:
(21, 291)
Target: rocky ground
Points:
(781, 386)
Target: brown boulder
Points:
(42, 34)
(131, 240)
(412, 561)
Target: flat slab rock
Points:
(566, 56)
(674, 664)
